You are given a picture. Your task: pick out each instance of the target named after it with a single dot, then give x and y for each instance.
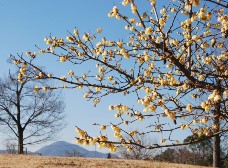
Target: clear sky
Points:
(25, 23)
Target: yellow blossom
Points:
(99, 30)
(36, 89)
(103, 127)
(148, 31)
(71, 73)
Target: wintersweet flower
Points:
(217, 98)
(23, 71)
(75, 32)
(196, 2)
(16, 62)
(63, 58)
(99, 30)
(162, 22)
(96, 101)
(153, 2)
(162, 141)
(111, 107)
(71, 72)
(36, 89)
(103, 127)
(189, 107)
(49, 75)
(201, 77)
(48, 41)
(125, 2)
(148, 31)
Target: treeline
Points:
(200, 153)
(196, 154)
(185, 156)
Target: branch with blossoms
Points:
(174, 62)
(103, 141)
(219, 3)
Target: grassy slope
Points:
(28, 161)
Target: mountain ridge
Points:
(62, 148)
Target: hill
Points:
(62, 148)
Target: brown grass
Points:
(28, 161)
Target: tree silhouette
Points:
(202, 150)
(29, 117)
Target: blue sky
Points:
(26, 23)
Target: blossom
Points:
(45, 88)
(111, 107)
(96, 101)
(189, 107)
(22, 70)
(49, 75)
(48, 41)
(101, 70)
(99, 30)
(16, 62)
(196, 2)
(162, 22)
(162, 141)
(185, 86)
(110, 78)
(71, 72)
(115, 10)
(173, 10)
(75, 32)
(133, 8)
(217, 98)
(148, 31)
(103, 127)
(36, 89)
(201, 77)
(42, 51)
(163, 11)
(153, 2)
(63, 58)
(70, 39)
(125, 2)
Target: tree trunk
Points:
(216, 139)
(216, 145)
(216, 151)
(20, 142)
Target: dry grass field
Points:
(28, 161)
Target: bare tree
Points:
(136, 152)
(29, 117)
(180, 155)
(174, 63)
(73, 153)
(11, 148)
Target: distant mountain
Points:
(62, 148)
